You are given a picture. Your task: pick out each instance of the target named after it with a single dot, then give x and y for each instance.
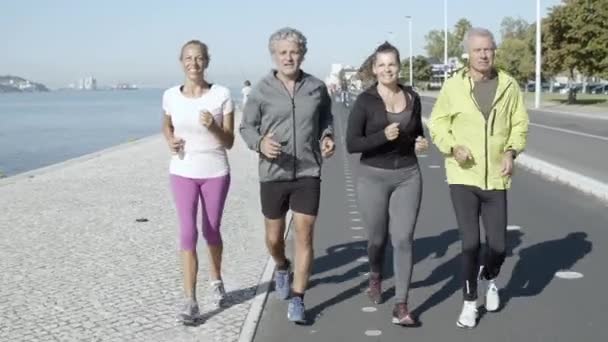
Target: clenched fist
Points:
(206, 118)
(392, 131)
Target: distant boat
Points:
(125, 86)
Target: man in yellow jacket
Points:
(480, 124)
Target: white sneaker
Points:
(468, 315)
(189, 313)
(218, 294)
(492, 297)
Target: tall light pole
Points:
(445, 40)
(410, 42)
(538, 56)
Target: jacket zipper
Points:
(485, 132)
(293, 127)
(486, 125)
(492, 125)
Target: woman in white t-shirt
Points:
(198, 126)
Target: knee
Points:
(403, 244)
(211, 232)
(375, 243)
(274, 241)
(188, 243)
(304, 241)
(213, 238)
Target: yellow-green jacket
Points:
(457, 120)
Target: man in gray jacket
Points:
(288, 121)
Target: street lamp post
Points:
(538, 56)
(410, 43)
(445, 40)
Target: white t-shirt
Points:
(203, 155)
(245, 91)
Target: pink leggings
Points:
(212, 193)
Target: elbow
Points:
(229, 144)
(229, 141)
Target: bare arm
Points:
(225, 133)
(167, 127)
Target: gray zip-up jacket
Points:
(298, 124)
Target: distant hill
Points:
(15, 84)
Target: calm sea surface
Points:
(40, 129)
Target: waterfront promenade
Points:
(77, 266)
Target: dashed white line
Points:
(373, 332)
(568, 275)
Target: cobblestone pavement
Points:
(76, 266)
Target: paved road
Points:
(576, 143)
(560, 229)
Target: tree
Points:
(514, 28)
(515, 57)
(421, 68)
(435, 42)
(461, 28)
(515, 53)
(575, 38)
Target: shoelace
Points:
(298, 303)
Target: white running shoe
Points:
(218, 294)
(468, 315)
(492, 297)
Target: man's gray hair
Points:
(288, 33)
(478, 32)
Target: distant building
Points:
(87, 83)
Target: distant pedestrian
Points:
(198, 125)
(245, 92)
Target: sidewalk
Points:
(77, 266)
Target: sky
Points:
(57, 42)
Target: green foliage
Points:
(435, 41)
(575, 37)
(515, 57)
(515, 53)
(421, 68)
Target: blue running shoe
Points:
(282, 283)
(295, 310)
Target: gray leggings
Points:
(389, 202)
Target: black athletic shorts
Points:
(301, 196)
